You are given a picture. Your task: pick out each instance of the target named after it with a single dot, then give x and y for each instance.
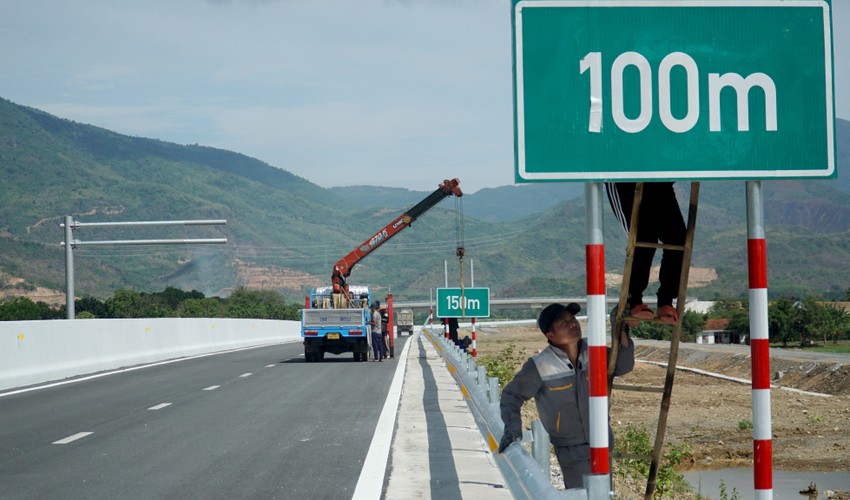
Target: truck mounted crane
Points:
(336, 318)
(342, 269)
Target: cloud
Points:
(102, 77)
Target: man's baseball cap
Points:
(551, 312)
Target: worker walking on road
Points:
(557, 379)
(661, 220)
(377, 341)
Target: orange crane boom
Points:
(342, 269)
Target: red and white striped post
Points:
(597, 345)
(391, 323)
(474, 350)
(759, 344)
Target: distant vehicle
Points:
(404, 321)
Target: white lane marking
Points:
(159, 406)
(245, 375)
(270, 366)
(371, 480)
(73, 438)
(134, 368)
(212, 387)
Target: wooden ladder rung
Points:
(663, 246)
(637, 388)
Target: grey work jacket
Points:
(560, 391)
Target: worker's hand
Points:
(507, 439)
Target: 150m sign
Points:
(463, 302)
(673, 89)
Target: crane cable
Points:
(460, 249)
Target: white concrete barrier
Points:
(33, 352)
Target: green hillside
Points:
(285, 233)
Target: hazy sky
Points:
(399, 93)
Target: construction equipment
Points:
(342, 269)
(619, 320)
(336, 318)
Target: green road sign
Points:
(673, 89)
(463, 303)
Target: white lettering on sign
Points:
(454, 302)
(742, 87)
(592, 63)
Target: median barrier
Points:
(33, 352)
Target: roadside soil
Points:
(714, 416)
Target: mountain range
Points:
(285, 233)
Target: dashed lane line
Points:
(71, 439)
(212, 387)
(159, 406)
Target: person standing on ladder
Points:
(660, 219)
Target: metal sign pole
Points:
(598, 481)
(759, 343)
(69, 267)
(70, 243)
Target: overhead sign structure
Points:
(673, 89)
(463, 303)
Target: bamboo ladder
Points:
(619, 321)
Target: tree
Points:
(823, 321)
(212, 307)
(262, 304)
(91, 305)
(781, 322)
(24, 309)
(836, 323)
(692, 324)
(171, 297)
(132, 304)
(739, 323)
(725, 308)
(650, 330)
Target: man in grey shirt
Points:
(557, 379)
(377, 340)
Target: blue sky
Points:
(400, 93)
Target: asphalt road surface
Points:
(255, 423)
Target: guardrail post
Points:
(493, 392)
(482, 375)
(540, 445)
